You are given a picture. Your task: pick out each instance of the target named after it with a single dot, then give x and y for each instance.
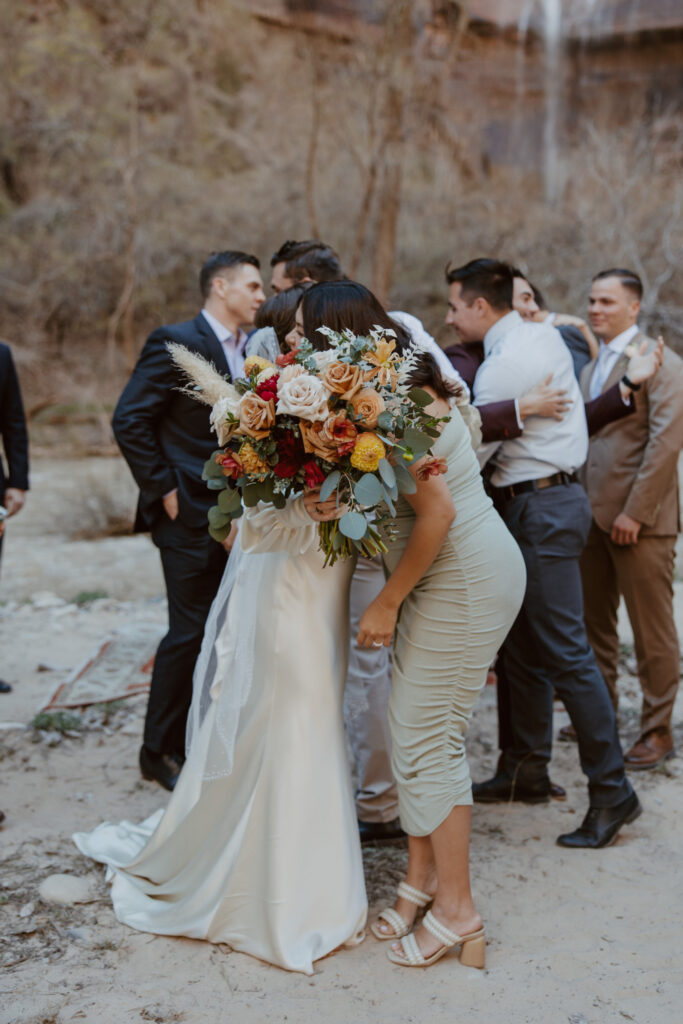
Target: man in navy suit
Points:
(14, 480)
(165, 438)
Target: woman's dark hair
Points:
(279, 312)
(348, 305)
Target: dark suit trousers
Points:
(193, 565)
(547, 648)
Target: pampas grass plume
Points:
(206, 383)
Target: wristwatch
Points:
(629, 384)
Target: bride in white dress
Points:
(258, 847)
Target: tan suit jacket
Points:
(632, 464)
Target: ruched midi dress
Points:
(449, 630)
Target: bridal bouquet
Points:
(344, 420)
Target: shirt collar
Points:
(223, 333)
(619, 343)
(497, 332)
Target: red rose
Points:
(267, 390)
(290, 454)
(287, 358)
(314, 474)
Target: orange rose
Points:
(367, 405)
(341, 432)
(256, 415)
(316, 442)
(342, 379)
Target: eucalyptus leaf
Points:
(353, 525)
(405, 480)
(220, 533)
(268, 489)
(368, 490)
(229, 501)
(217, 484)
(251, 495)
(419, 442)
(390, 504)
(337, 540)
(329, 484)
(218, 519)
(420, 397)
(386, 471)
(211, 469)
(385, 421)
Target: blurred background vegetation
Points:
(138, 136)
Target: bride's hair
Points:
(279, 312)
(348, 305)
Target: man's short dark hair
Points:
(219, 261)
(484, 278)
(628, 278)
(310, 258)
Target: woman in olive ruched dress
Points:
(456, 584)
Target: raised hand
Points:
(544, 400)
(643, 364)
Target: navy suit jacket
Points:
(164, 435)
(13, 430)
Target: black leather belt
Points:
(525, 486)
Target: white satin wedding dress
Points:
(266, 858)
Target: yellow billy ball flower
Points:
(259, 362)
(367, 452)
(251, 463)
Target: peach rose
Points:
(317, 443)
(256, 415)
(342, 379)
(367, 405)
(289, 373)
(305, 397)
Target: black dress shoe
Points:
(380, 831)
(161, 768)
(601, 825)
(5, 687)
(502, 789)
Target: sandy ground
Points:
(585, 938)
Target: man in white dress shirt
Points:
(546, 510)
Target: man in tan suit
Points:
(632, 483)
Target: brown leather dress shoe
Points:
(649, 751)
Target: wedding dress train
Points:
(266, 858)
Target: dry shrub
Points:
(139, 137)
